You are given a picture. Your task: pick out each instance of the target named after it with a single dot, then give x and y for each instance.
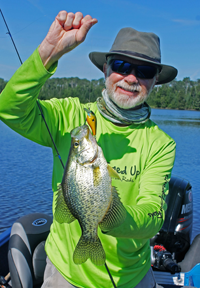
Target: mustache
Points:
(133, 87)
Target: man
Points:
(141, 153)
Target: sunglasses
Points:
(125, 68)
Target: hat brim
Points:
(167, 74)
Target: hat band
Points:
(135, 54)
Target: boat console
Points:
(172, 242)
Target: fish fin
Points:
(115, 215)
(88, 248)
(62, 213)
(113, 173)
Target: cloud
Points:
(187, 22)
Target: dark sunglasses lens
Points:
(142, 71)
(146, 72)
(121, 67)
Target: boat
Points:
(175, 259)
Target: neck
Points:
(122, 117)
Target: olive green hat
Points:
(137, 45)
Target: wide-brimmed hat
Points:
(137, 45)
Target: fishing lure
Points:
(91, 120)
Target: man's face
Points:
(127, 91)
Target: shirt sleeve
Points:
(18, 107)
(146, 217)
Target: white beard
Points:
(124, 101)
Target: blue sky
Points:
(176, 22)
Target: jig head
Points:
(91, 120)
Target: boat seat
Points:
(26, 254)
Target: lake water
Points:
(26, 167)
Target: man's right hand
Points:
(66, 33)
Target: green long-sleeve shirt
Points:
(143, 155)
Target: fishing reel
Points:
(163, 260)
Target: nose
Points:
(131, 78)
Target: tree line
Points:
(183, 95)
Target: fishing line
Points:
(111, 278)
(54, 144)
(40, 108)
(17, 32)
(36, 20)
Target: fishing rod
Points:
(11, 36)
(54, 144)
(39, 106)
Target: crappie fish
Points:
(86, 194)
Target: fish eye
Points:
(76, 144)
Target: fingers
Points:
(61, 17)
(74, 21)
(77, 20)
(86, 23)
(85, 19)
(65, 34)
(69, 20)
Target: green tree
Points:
(197, 102)
(181, 100)
(183, 94)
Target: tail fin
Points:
(88, 248)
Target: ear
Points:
(156, 80)
(105, 69)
